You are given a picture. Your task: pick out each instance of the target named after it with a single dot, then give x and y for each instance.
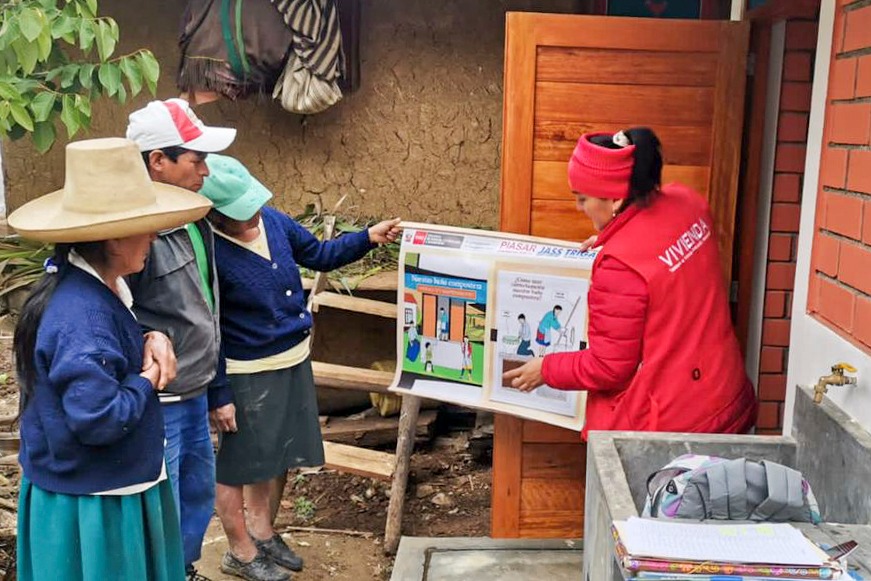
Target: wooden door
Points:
(430, 314)
(567, 75)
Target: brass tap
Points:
(836, 378)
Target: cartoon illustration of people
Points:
(427, 366)
(467, 358)
(525, 336)
(413, 344)
(443, 324)
(548, 323)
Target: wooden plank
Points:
(681, 145)
(345, 377)
(550, 179)
(626, 67)
(517, 123)
(549, 494)
(382, 281)
(601, 103)
(377, 431)
(566, 461)
(728, 126)
(560, 219)
(561, 524)
(9, 443)
(537, 433)
(651, 34)
(505, 496)
(356, 304)
(359, 461)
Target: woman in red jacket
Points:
(663, 355)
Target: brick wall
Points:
(839, 292)
(795, 99)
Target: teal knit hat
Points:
(232, 189)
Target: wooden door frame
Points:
(560, 30)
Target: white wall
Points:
(814, 348)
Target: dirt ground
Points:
(448, 495)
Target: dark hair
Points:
(24, 341)
(555, 307)
(173, 152)
(646, 170)
(427, 344)
(521, 316)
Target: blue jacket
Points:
(92, 422)
(262, 301)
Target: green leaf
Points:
(122, 93)
(92, 6)
(110, 77)
(69, 115)
(63, 26)
(21, 116)
(68, 76)
(43, 136)
(130, 68)
(4, 110)
(150, 69)
(44, 44)
(30, 23)
(84, 107)
(42, 105)
(27, 53)
(105, 41)
(9, 92)
(86, 75)
(86, 35)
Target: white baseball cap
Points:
(173, 123)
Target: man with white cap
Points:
(177, 293)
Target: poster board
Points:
(474, 303)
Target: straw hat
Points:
(107, 194)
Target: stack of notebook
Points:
(656, 549)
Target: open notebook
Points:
(775, 550)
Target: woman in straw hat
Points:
(95, 502)
(663, 355)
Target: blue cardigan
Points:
(262, 301)
(92, 422)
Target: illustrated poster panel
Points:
(444, 310)
(536, 315)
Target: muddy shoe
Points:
(260, 569)
(277, 550)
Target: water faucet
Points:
(836, 378)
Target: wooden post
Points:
(404, 448)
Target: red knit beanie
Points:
(601, 172)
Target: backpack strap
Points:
(784, 490)
(727, 487)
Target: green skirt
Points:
(85, 538)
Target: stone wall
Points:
(420, 139)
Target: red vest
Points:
(692, 376)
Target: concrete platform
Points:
(485, 559)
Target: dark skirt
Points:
(278, 429)
(78, 538)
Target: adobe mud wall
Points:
(420, 139)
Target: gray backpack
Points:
(707, 487)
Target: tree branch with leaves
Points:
(56, 58)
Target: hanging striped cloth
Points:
(316, 61)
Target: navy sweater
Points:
(262, 301)
(92, 423)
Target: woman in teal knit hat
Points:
(265, 331)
